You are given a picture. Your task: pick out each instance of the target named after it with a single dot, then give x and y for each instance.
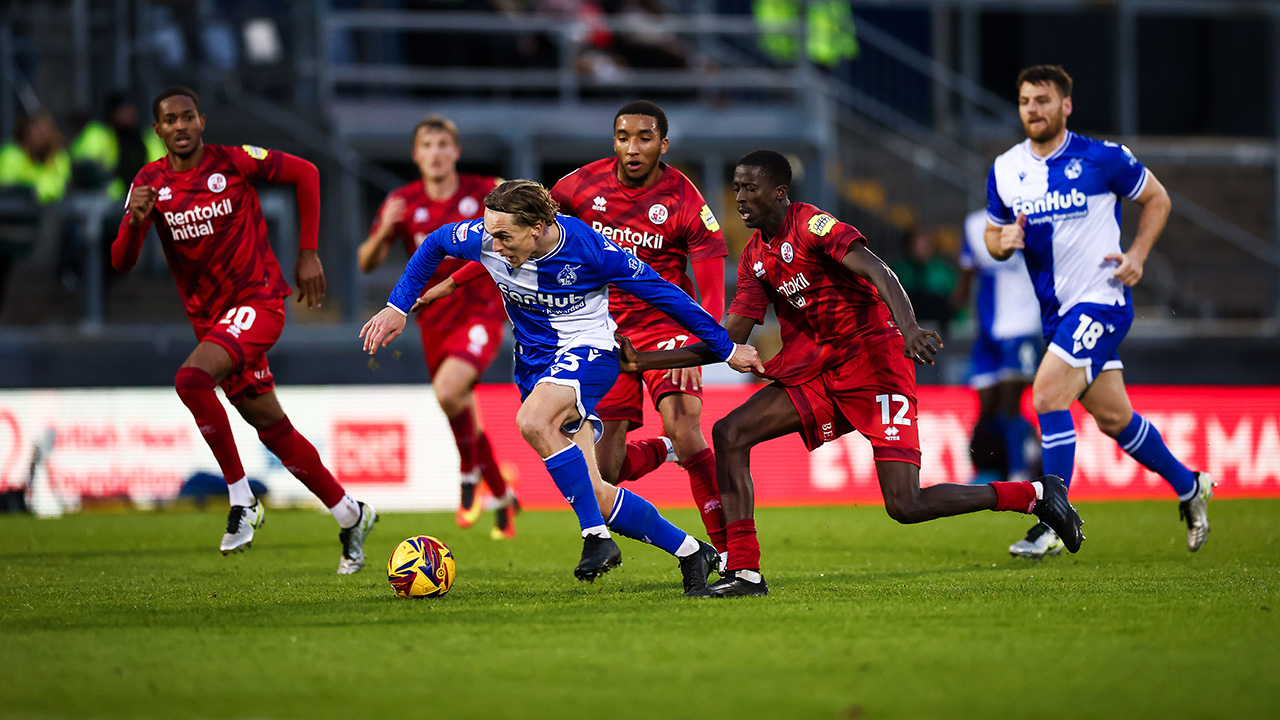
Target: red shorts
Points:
(873, 392)
(473, 338)
(624, 400)
(247, 332)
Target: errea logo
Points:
(758, 268)
(165, 193)
(598, 204)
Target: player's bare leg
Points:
(682, 423)
(1108, 402)
(454, 383)
(299, 457)
(907, 502)
(766, 415)
(611, 451)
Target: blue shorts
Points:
(1089, 336)
(589, 371)
(995, 361)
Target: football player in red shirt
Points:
(202, 201)
(462, 334)
(849, 339)
(652, 210)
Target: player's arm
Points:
(373, 251)
(387, 325)
(709, 274)
(640, 280)
(285, 169)
(1156, 206)
(862, 262)
(133, 228)
(468, 273)
(1005, 232)
(738, 328)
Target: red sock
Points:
(642, 458)
(196, 389)
(1015, 496)
(744, 548)
(300, 457)
(464, 433)
(706, 493)
(489, 469)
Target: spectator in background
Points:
(107, 155)
(34, 166)
(928, 279)
(830, 35)
(35, 159)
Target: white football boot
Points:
(1040, 541)
(1196, 511)
(353, 538)
(241, 522)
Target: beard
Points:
(1049, 130)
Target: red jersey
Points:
(667, 225)
(422, 215)
(826, 312)
(211, 228)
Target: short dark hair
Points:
(174, 91)
(1040, 74)
(527, 201)
(436, 123)
(647, 108)
(775, 165)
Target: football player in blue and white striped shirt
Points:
(1056, 196)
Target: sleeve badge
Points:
(255, 152)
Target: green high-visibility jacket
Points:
(97, 143)
(830, 33)
(48, 179)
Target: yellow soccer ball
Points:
(421, 567)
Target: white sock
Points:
(724, 559)
(1039, 486)
(346, 512)
(671, 449)
(471, 477)
(688, 547)
(598, 531)
(748, 575)
(241, 493)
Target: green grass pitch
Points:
(139, 616)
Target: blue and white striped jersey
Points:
(1006, 303)
(1070, 199)
(561, 300)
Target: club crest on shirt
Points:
(421, 215)
(468, 206)
(255, 152)
(217, 182)
(568, 274)
(1073, 169)
(165, 193)
(820, 225)
(657, 214)
(788, 252)
(709, 219)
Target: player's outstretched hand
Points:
(142, 199)
(1129, 271)
(308, 275)
(382, 329)
(918, 344)
(628, 356)
(439, 291)
(746, 359)
(1012, 236)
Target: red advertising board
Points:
(1232, 432)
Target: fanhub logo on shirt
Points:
(1052, 201)
(791, 287)
(552, 304)
(198, 221)
(628, 237)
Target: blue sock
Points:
(568, 469)
(638, 519)
(1143, 442)
(1058, 444)
(1015, 430)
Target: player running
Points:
(848, 338)
(1006, 349)
(553, 272)
(462, 335)
(205, 207)
(1054, 197)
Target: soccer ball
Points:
(421, 567)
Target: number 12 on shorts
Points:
(903, 405)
